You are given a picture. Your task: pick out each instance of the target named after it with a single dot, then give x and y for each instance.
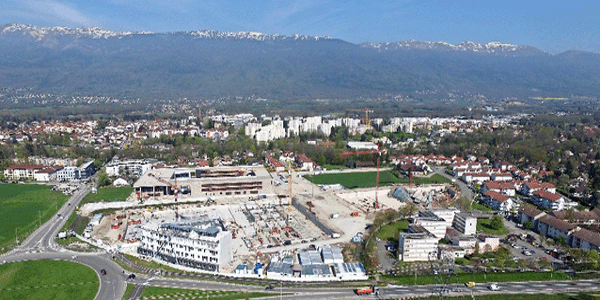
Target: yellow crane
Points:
(366, 121)
(290, 177)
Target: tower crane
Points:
(290, 177)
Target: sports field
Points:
(108, 194)
(22, 205)
(47, 279)
(353, 180)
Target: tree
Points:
(408, 210)
(321, 160)
(528, 225)
(103, 179)
(497, 223)
(561, 240)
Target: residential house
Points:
(304, 162)
(502, 187)
(498, 201)
(585, 240)
(528, 213)
(502, 177)
(549, 200)
(552, 227)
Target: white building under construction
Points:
(202, 244)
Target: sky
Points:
(552, 26)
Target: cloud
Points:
(50, 12)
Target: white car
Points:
(494, 287)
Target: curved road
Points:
(41, 245)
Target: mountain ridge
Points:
(40, 33)
(209, 63)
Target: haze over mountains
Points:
(205, 64)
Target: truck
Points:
(367, 290)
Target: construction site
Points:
(259, 220)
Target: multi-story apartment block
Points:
(417, 246)
(465, 224)
(202, 244)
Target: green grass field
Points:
(47, 279)
(22, 205)
(484, 225)
(390, 232)
(368, 179)
(108, 194)
(174, 293)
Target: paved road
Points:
(464, 189)
(40, 245)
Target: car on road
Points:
(269, 288)
(493, 287)
(131, 276)
(103, 272)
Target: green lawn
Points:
(22, 205)
(128, 291)
(151, 292)
(390, 232)
(108, 194)
(478, 277)
(47, 279)
(368, 179)
(484, 225)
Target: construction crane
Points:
(377, 179)
(290, 177)
(366, 121)
(200, 113)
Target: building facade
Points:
(202, 244)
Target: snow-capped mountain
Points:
(39, 33)
(492, 47)
(250, 35)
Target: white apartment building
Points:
(435, 225)
(417, 246)
(465, 224)
(136, 167)
(202, 244)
